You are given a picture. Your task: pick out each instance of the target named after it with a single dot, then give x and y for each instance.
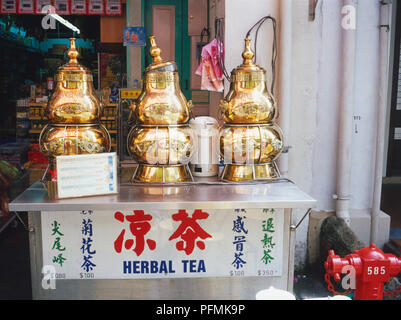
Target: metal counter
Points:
(282, 196)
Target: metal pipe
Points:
(381, 116)
(345, 121)
(291, 250)
(285, 53)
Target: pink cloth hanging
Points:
(209, 68)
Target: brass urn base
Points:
(240, 173)
(52, 191)
(49, 179)
(162, 174)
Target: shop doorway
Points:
(167, 20)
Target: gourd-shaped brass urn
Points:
(73, 111)
(162, 141)
(250, 141)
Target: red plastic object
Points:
(37, 157)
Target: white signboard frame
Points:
(144, 244)
(86, 175)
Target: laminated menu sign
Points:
(96, 7)
(78, 6)
(26, 7)
(86, 175)
(158, 243)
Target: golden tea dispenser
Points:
(162, 141)
(73, 111)
(74, 100)
(250, 141)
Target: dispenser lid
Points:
(158, 64)
(204, 121)
(205, 126)
(73, 65)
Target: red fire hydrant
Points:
(372, 269)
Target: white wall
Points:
(366, 83)
(315, 82)
(240, 16)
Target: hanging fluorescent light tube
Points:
(64, 22)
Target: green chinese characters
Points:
(268, 240)
(57, 245)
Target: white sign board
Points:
(141, 244)
(86, 175)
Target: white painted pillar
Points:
(381, 118)
(284, 77)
